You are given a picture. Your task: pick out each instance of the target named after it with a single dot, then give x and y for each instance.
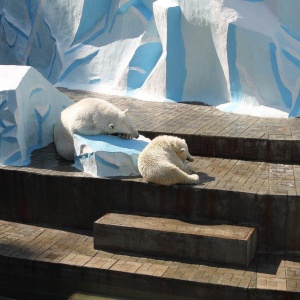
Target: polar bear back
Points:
(90, 116)
(160, 150)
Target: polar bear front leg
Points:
(125, 136)
(186, 168)
(182, 165)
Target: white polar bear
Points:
(163, 161)
(90, 116)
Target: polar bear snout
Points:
(190, 157)
(133, 132)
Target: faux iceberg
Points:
(29, 106)
(107, 155)
(239, 55)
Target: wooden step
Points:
(175, 239)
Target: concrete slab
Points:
(175, 238)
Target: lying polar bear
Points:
(163, 161)
(90, 116)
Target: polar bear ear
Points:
(126, 111)
(111, 126)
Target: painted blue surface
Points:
(78, 62)
(121, 10)
(106, 164)
(53, 60)
(35, 91)
(234, 77)
(12, 103)
(74, 49)
(110, 143)
(108, 156)
(32, 7)
(230, 106)
(50, 34)
(40, 127)
(286, 94)
(28, 4)
(296, 37)
(143, 9)
(38, 40)
(142, 63)
(138, 4)
(95, 81)
(26, 119)
(291, 58)
(92, 14)
(3, 104)
(49, 49)
(6, 129)
(18, 31)
(253, 1)
(40, 120)
(13, 159)
(99, 32)
(175, 64)
(9, 139)
(296, 109)
(4, 112)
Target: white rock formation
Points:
(107, 155)
(239, 55)
(29, 106)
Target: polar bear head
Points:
(123, 126)
(181, 149)
(178, 145)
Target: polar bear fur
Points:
(90, 116)
(163, 161)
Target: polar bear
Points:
(90, 116)
(163, 161)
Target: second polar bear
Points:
(163, 161)
(90, 116)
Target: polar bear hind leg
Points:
(63, 141)
(171, 174)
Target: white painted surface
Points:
(29, 106)
(238, 55)
(107, 155)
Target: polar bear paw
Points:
(194, 178)
(125, 136)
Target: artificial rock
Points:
(108, 155)
(29, 106)
(239, 55)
